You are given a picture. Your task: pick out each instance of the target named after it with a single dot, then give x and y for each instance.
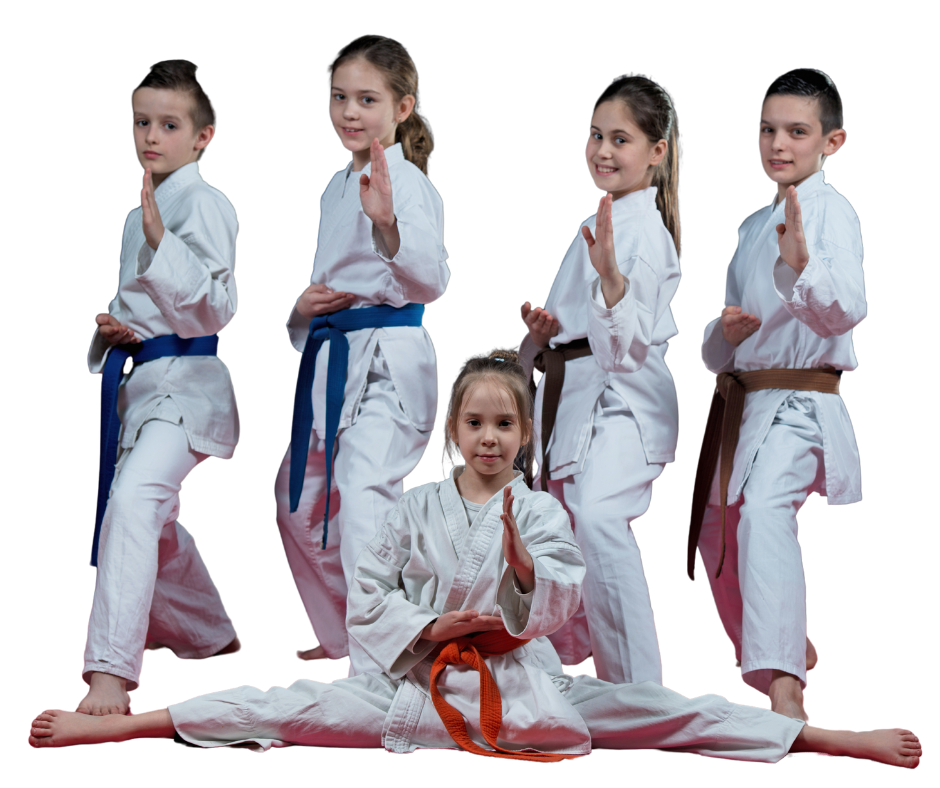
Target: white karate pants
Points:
(761, 593)
(351, 713)
(615, 619)
(152, 585)
(371, 458)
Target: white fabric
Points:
(152, 585)
(425, 562)
(350, 258)
(371, 458)
(185, 287)
(615, 620)
(629, 341)
(806, 323)
(761, 593)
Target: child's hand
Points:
(790, 238)
(602, 253)
(322, 300)
(375, 193)
(542, 326)
(459, 623)
(736, 326)
(513, 549)
(113, 332)
(153, 224)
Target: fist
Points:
(322, 300)
(736, 326)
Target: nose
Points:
(779, 141)
(350, 111)
(152, 135)
(489, 437)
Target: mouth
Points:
(604, 171)
(150, 154)
(779, 164)
(488, 458)
(351, 131)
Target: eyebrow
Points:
(469, 415)
(615, 131)
(790, 123)
(338, 89)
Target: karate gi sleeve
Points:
(620, 337)
(717, 352)
(297, 329)
(829, 295)
(559, 570)
(190, 277)
(378, 614)
(420, 265)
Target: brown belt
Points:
(551, 362)
(723, 426)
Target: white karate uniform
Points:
(174, 412)
(616, 427)
(427, 560)
(791, 443)
(390, 398)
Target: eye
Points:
(596, 135)
(339, 97)
(766, 130)
(171, 126)
(473, 422)
(368, 100)
(141, 123)
(505, 423)
(799, 132)
(620, 140)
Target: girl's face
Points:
(163, 131)
(363, 108)
(619, 155)
(489, 432)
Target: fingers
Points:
(363, 182)
(525, 309)
(465, 615)
(586, 232)
(731, 310)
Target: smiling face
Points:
(619, 155)
(363, 108)
(792, 143)
(489, 433)
(163, 131)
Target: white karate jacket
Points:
(185, 287)
(806, 323)
(429, 560)
(628, 342)
(350, 258)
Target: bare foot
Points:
(812, 656)
(786, 696)
(895, 747)
(231, 648)
(107, 694)
(57, 728)
(312, 653)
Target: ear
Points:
(404, 108)
(834, 140)
(658, 152)
(204, 137)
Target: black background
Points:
(509, 109)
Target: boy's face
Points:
(620, 158)
(163, 131)
(363, 108)
(792, 143)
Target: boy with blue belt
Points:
(176, 406)
(795, 291)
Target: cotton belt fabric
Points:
(721, 434)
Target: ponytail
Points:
(652, 110)
(416, 140)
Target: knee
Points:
(135, 494)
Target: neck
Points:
(477, 488)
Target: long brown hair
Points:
(503, 367)
(652, 110)
(396, 65)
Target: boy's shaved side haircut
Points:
(181, 75)
(811, 83)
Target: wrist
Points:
(385, 225)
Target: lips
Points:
(779, 164)
(488, 457)
(604, 170)
(149, 154)
(347, 130)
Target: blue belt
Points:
(332, 327)
(148, 350)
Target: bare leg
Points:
(316, 652)
(811, 656)
(64, 728)
(107, 694)
(895, 747)
(786, 695)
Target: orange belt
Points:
(721, 434)
(470, 651)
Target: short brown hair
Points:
(503, 367)
(181, 75)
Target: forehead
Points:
(615, 114)
(488, 397)
(790, 110)
(162, 102)
(359, 75)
